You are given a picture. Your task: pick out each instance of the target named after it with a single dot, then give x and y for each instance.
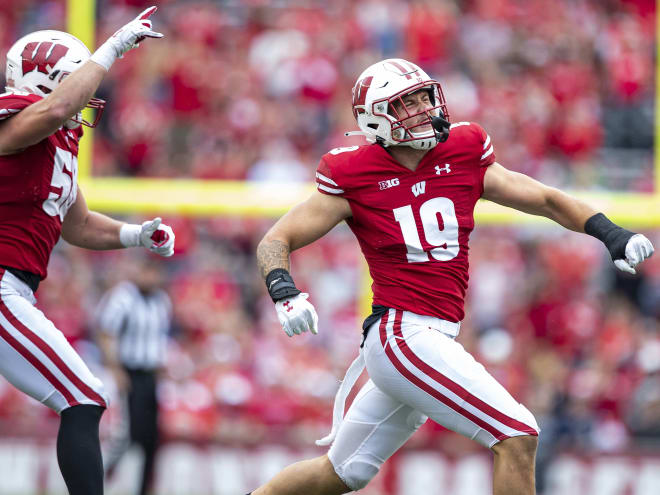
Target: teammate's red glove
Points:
(152, 234)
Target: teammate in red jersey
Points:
(409, 199)
(51, 77)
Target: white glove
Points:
(638, 249)
(297, 315)
(156, 237)
(126, 38)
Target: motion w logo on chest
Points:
(419, 188)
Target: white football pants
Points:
(36, 357)
(416, 372)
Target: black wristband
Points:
(280, 285)
(614, 237)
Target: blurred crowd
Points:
(547, 314)
(259, 90)
(249, 89)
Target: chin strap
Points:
(441, 127)
(356, 133)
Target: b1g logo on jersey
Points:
(63, 185)
(386, 184)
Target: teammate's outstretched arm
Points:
(46, 116)
(523, 193)
(302, 225)
(92, 230)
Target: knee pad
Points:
(416, 419)
(357, 471)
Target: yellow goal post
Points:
(206, 198)
(203, 198)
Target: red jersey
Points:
(413, 226)
(37, 187)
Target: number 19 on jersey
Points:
(445, 240)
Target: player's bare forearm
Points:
(567, 211)
(523, 193)
(76, 90)
(271, 254)
(96, 231)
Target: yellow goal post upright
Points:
(205, 198)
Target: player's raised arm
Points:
(302, 225)
(60, 69)
(43, 118)
(523, 193)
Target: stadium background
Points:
(219, 127)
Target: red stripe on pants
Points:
(50, 353)
(430, 390)
(18, 347)
(455, 387)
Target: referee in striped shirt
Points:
(134, 320)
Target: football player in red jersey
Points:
(51, 77)
(409, 198)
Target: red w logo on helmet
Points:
(360, 94)
(39, 55)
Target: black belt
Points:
(32, 280)
(377, 312)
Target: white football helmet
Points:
(39, 61)
(388, 81)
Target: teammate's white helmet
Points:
(39, 61)
(385, 82)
